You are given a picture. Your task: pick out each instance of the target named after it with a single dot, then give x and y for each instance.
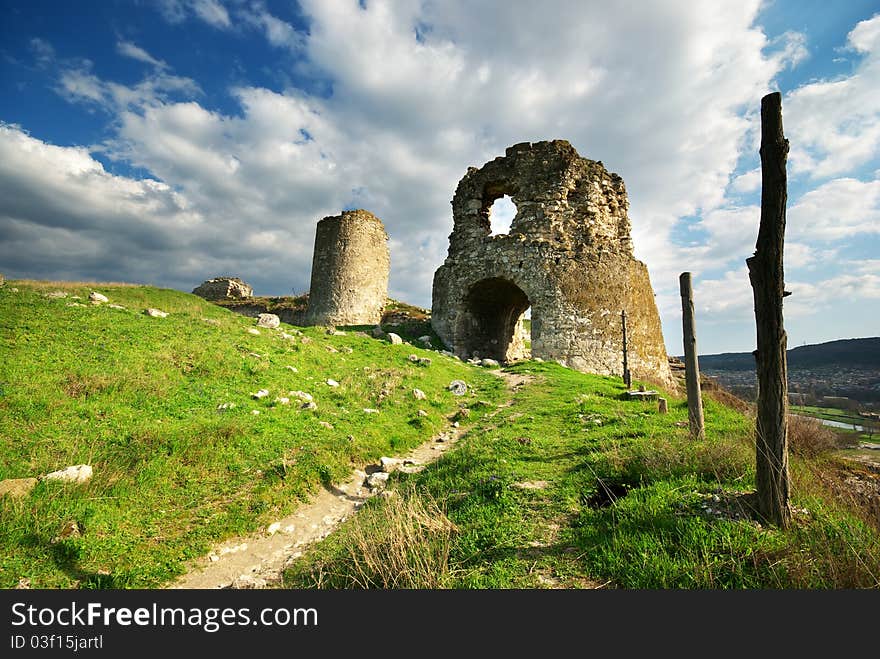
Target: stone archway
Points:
(568, 255)
(491, 325)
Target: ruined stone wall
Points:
(223, 288)
(350, 267)
(568, 255)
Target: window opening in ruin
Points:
(501, 215)
(495, 329)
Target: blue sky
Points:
(171, 141)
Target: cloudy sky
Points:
(170, 141)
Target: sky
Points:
(167, 142)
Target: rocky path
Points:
(259, 560)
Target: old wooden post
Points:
(768, 288)
(627, 378)
(691, 366)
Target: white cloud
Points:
(748, 182)
(129, 49)
(279, 33)
(212, 12)
(837, 122)
(838, 209)
(80, 85)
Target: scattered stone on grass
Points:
(262, 393)
(17, 487)
(73, 474)
(332, 383)
(378, 479)
(155, 313)
(458, 387)
(395, 339)
(301, 395)
(324, 424)
(268, 320)
(254, 331)
(418, 394)
(94, 296)
(370, 410)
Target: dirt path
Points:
(258, 560)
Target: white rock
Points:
(155, 313)
(377, 479)
(282, 400)
(268, 320)
(54, 295)
(116, 306)
(413, 358)
(370, 410)
(225, 406)
(94, 296)
(489, 362)
(332, 383)
(395, 339)
(390, 464)
(458, 387)
(254, 331)
(273, 528)
(292, 368)
(301, 395)
(423, 413)
(309, 406)
(418, 394)
(324, 424)
(74, 474)
(255, 412)
(262, 393)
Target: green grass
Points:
(620, 496)
(829, 413)
(137, 398)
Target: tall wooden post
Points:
(627, 378)
(691, 366)
(768, 287)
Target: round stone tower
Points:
(349, 270)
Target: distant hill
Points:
(864, 353)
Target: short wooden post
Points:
(768, 287)
(662, 406)
(627, 378)
(691, 367)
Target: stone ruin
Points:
(350, 267)
(568, 256)
(224, 288)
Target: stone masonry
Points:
(224, 288)
(568, 256)
(350, 266)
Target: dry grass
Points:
(401, 541)
(808, 437)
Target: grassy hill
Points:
(561, 482)
(137, 398)
(855, 353)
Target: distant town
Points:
(843, 374)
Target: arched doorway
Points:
(492, 325)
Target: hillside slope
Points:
(162, 409)
(856, 353)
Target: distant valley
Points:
(846, 368)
